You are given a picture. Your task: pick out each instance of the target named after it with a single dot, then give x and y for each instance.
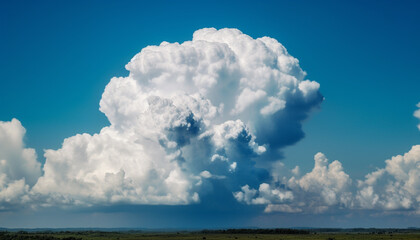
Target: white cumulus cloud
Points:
(186, 115)
(327, 185)
(19, 169)
(110, 167)
(216, 109)
(397, 186)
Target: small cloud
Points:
(281, 208)
(327, 185)
(395, 187)
(417, 114)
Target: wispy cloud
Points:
(417, 114)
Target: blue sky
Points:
(58, 56)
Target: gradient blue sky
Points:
(58, 56)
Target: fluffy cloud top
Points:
(397, 186)
(186, 115)
(19, 168)
(325, 186)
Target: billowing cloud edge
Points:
(193, 113)
(186, 116)
(19, 168)
(394, 189)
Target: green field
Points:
(91, 235)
